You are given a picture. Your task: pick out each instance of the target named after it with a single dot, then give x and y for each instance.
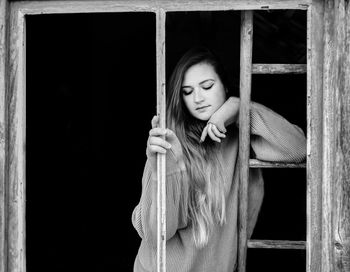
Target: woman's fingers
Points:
(159, 142)
(158, 131)
(211, 133)
(156, 149)
(217, 132)
(155, 121)
(204, 133)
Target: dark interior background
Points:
(91, 93)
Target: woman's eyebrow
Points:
(185, 86)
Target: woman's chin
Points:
(203, 117)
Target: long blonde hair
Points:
(205, 205)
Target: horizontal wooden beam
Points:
(279, 68)
(51, 7)
(253, 163)
(276, 244)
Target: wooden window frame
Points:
(321, 111)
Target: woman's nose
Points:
(198, 97)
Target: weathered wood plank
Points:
(276, 244)
(314, 132)
(4, 10)
(259, 68)
(341, 184)
(330, 78)
(41, 7)
(16, 100)
(244, 132)
(253, 163)
(161, 167)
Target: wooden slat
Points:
(48, 7)
(161, 167)
(253, 163)
(314, 132)
(3, 137)
(259, 68)
(244, 131)
(341, 179)
(16, 149)
(330, 81)
(276, 244)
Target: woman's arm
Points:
(144, 217)
(273, 138)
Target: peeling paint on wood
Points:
(279, 68)
(40, 7)
(161, 161)
(341, 186)
(244, 132)
(16, 155)
(276, 244)
(3, 77)
(314, 132)
(253, 163)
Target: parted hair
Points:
(205, 204)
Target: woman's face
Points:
(202, 91)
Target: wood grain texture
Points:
(276, 244)
(244, 132)
(4, 10)
(45, 7)
(253, 163)
(336, 141)
(314, 132)
(16, 100)
(329, 80)
(341, 180)
(161, 159)
(279, 68)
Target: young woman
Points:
(202, 172)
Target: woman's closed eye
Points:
(207, 86)
(186, 91)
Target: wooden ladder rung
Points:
(253, 163)
(276, 244)
(259, 68)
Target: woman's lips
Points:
(202, 108)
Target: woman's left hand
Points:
(224, 116)
(213, 132)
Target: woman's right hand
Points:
(161, 140)
(156, 141)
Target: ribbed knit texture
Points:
(273, 138)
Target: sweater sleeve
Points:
(273, 138)
(144, 217)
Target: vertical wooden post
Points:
(329, 79)
(16, 149)
(341, 180)
(3, 132)
(336, 154)
(244, 131)
(314, 130)
(161, 191)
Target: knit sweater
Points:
(273, 138)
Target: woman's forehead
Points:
(198, 73)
